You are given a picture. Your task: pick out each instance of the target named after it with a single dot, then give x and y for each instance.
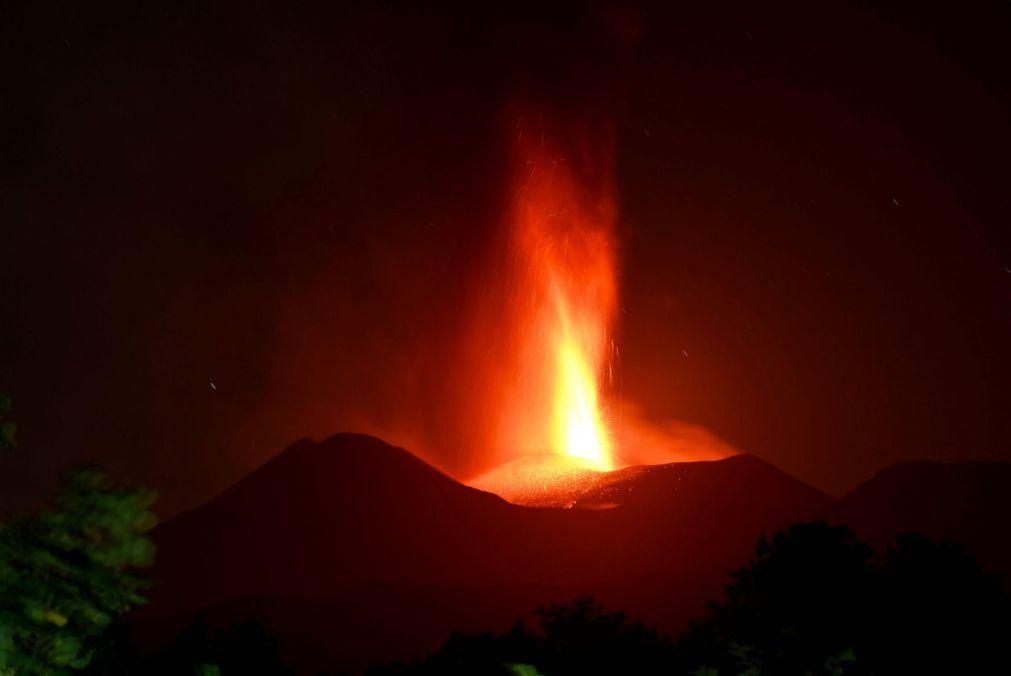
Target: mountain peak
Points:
(383, 537)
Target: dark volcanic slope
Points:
(333, 520)
(321, 515)
(731, 484)
(355, 551)
(969, 502)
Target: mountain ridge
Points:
(322, 523)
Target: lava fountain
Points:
(559, 312)
(565, 249)
(547, 352)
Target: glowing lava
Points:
(542, 337)
(578, 430)
(562, 304)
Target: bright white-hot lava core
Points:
(578, 429)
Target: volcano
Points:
(354, 551)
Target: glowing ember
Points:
(553, 481)
(540, 481)
(563, 299)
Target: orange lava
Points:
(562, 305)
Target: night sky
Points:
(301, 206)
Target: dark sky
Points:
(299, 205)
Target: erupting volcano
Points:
(547, 352)
(560, 309)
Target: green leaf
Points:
(65, 649)
(523, 670)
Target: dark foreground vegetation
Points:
(812, 600)
(68, 574)
(242, 649)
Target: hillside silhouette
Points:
(354, 551)
(964, 501)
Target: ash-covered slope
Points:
(969, 502)
(320, 515)
(398, 554)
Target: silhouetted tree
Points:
(790, 610)
(938, 611)
(242, 649)
(67, 574)
(813, 601)
(580, 637)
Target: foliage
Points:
(524, 670)
(939, 611)
(813, 600)
(791, 607)
(242, 649)
(580, 637)
(67, 574)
